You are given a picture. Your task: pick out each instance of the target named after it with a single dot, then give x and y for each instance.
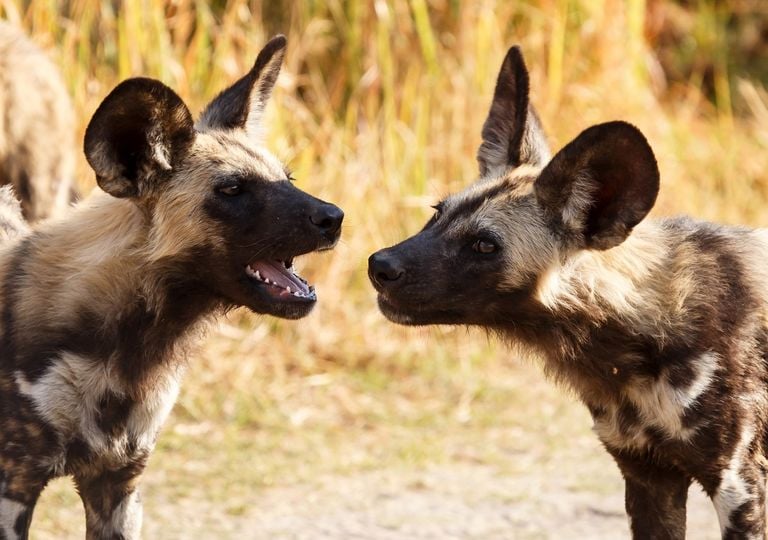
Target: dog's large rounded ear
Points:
(137, 136)
(241, 106)
(512, 134)
(601, 184)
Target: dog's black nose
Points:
(327, 217)
(384, 269)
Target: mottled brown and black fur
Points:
(37, 127)
(659, 326)
(97, 308)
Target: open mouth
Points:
(280, 280)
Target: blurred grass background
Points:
(378, 109)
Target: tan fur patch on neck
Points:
(629, 282)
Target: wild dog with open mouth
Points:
(659, 326)
(97, 308)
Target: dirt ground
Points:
(457, 502)
(532, 470)
(440, 503)
(534, 493)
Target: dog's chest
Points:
(652, 409)
(88, 406)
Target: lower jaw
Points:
(287, 310)
(296, 311)
(396, 314)
(261, 301)
(416, 317)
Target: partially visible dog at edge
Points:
(659, 326)
(98, 308)
(37, 127)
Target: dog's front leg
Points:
(655, 499)
(15, 518)
(657, 510)
(740, 500)
(19, 489)
(112, 504)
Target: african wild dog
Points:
(98, 307)
(659, 326)
(37, 127)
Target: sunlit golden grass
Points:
(378, 109)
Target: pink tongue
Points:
(276, 272)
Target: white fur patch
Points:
(733, 491)
(608, 430)
(126, 518)
(579, 201)
(161, 155)
(10, 511)
(626, 282)
(662, 405)
(525, 170)
(148, 416)
(535, 146)
(254, 127)
(69, 394)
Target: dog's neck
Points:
(627, 281)
(591, 312)
(102, 295)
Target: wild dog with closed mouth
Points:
(659, 326)
(97, 308)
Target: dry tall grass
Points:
(379, 108)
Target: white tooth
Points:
(258, 275)
(288, 289)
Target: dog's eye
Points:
(230, 189)
(484, 246)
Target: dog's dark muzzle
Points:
(395, 267)
(314, 217)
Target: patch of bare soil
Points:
(466, 501)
